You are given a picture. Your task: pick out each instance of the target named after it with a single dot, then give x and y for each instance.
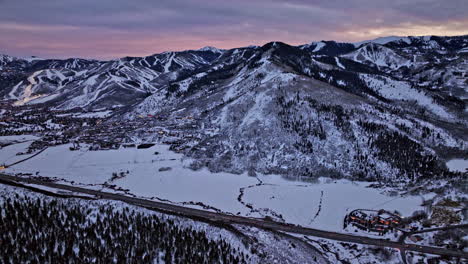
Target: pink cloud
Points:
(109, 29)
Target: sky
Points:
(105, 29)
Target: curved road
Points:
(234, 219)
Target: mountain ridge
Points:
(330, 106)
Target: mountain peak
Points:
(4, 59)
(383, 40)
(210, 48)
(275, 45)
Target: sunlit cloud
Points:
(408, 29)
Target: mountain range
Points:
(388, 109)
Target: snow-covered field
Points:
(458, 165)
(13, 146)
(8, 153)
(15, 139)
(324, 205)
(319, 205)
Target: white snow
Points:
(27, 94)
(399, 90)
(339, 63)
(297, 202)
(458, 165)
(91, 80)
(378, 55)
(13, 91)
(212, 49)
(15, 144)
(43, 99)
(341, 82)
(169, 62)
(383, 40)
(16, 139)
(184, 84)
(319, 46)
(99, 114)
(281, 77)
(8, 153)
(464, 50)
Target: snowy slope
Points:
(398, 90)
(4, 59)
(301, 104)
(384, 40)
(330, 48)
(328, 106)
(378, 55)
(94, 84)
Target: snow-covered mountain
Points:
(374, 110)
(330, 48)
(73, 83)
(383, 40)
(316, 112)
(379, 56)
(4, 59)
(424, 61)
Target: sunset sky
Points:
(106, 29)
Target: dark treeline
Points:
(34, 230)
(408, 156)
(404, 153)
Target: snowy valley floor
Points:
(321, 205)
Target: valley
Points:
(287, 135)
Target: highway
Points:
(225, 218)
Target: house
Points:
(380, 221)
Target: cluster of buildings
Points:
(27, 119)
(58, 127)
(378, 221)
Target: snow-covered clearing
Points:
(339, 63)
(320, 205)
(323, 205)
(14, 145)
(100, 114)
(319, 46)
(45, 98)
(13, 91)
(8, 153)
(16, 139)
(399, 90)
(458, 165)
